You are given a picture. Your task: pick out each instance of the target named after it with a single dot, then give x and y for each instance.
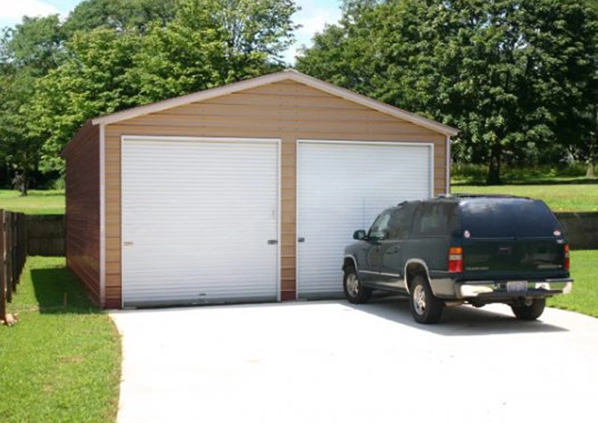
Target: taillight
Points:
(455, 260)
(567, 261)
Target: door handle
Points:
(301, 239)
(394, 250)
(272, 241)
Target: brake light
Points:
(567, 260)
(455, 260)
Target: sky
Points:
(313, 16)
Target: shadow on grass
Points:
(58, 291)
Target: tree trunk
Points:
(494, 167)
(21, 181)
(590, 173)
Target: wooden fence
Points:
(13, 252)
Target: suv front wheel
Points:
(425, 307)
(355, 292)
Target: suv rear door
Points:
(510, 238)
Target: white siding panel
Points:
(342, 187)
(197, 216)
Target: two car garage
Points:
(247, 192)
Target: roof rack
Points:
(464, 195)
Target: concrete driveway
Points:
(333, 362)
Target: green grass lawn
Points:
(584, 298)
(580, 198)
(36, 202)
(58, 363)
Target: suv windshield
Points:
(507, 218)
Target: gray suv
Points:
(461, 249)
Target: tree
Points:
(120, 14)
(27, 52)
(93, 80)
(206, 43)
(515, 77)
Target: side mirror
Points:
(359, 235)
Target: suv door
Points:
(392, 263)
(369, 266)
(429, 240)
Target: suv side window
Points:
(433, 220)
(379, 229)
(400, 222)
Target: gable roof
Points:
(287, 74)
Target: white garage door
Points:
(342, 187)
(199, 221)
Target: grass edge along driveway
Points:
(584, 297)
(62, 361)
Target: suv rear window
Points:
(507, 218)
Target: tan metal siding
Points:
(83, 208)
(284, 110)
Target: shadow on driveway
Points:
(459, 321)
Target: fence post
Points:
(3, 285)
(8, 254)
(14, 235)
(22, 243)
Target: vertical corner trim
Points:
(102, 148)
(448, 165)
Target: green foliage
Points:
(517, 78)
(27, 52)
(61, 361)
(119, 14)
(584, 297)
(110, 55)
(92, 80)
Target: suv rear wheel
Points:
(355, 292)
(425, 307)
(531, 312)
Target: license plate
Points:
(517, 286)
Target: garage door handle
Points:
(272, 241)
(301, 239)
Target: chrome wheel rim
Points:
(419, 300)
(352, 285)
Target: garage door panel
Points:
(342, 187)
(197, 217)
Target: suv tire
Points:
(355, 292)
(425, 307)
(531, 312)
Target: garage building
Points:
(245, 192)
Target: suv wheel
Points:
(425, 307)
(355, 292)
(531, 312)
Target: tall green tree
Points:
(206, 43)
(27, 52)
(120, 14)
(516, 77)
(92, 80)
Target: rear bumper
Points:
(489, 289)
